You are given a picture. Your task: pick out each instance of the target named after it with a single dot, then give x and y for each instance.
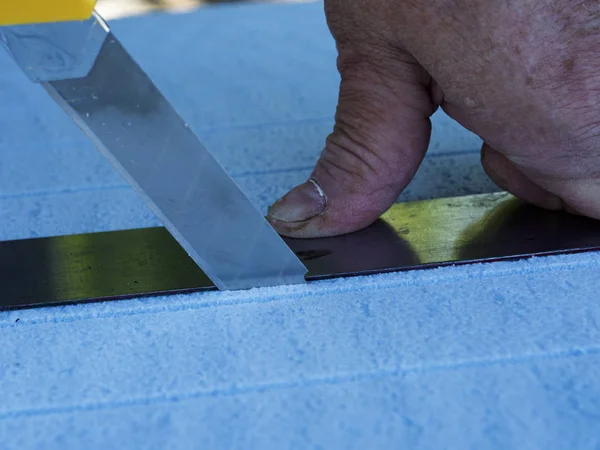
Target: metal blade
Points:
(138, 131)
(416, 235)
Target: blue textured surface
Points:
(504, 355)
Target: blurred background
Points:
(111, 9)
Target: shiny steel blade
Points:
(416, 235)
(133, 125)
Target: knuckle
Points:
(344, 157)
(350, 160)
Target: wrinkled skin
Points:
(524, 75)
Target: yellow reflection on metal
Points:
(19, 12)
(440, 229)
(68, 264)
(86, 263)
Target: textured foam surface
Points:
(505, 355)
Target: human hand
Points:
(524, 75)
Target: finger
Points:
(510, 178)
(380, 137)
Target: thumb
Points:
(380, 137)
